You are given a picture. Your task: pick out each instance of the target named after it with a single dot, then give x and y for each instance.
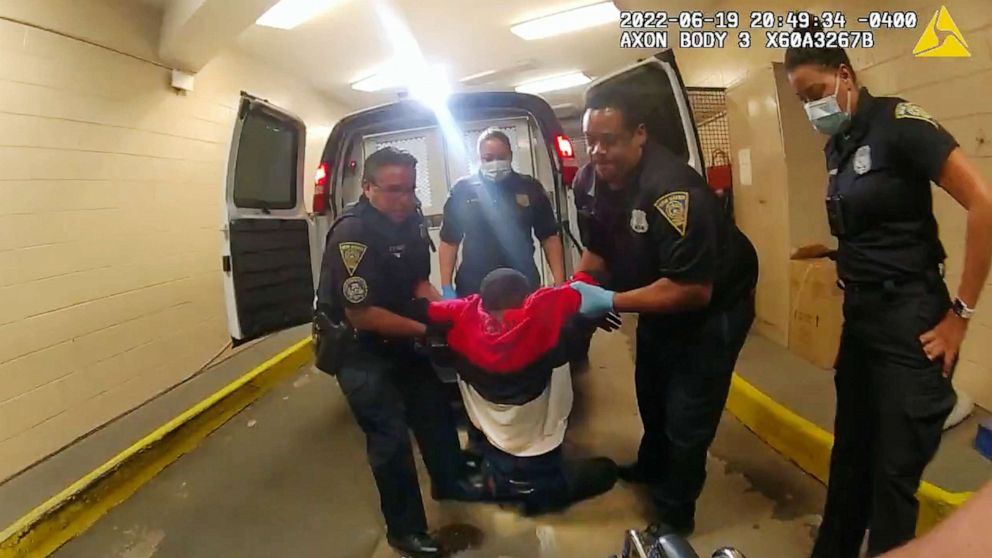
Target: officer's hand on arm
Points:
(605, 319)
(592, 262)
(597, 302)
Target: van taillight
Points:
(321, 181)
(569, 166)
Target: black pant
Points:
(388, 394)
(547, 482)
(682, 376)
(891, 406)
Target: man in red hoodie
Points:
(516, 385)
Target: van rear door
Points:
(268, 282)
(656, 81)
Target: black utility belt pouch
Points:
(331, 341)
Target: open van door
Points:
(268, 282)
(657, 83)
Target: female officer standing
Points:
(901, 330)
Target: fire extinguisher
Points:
(720, 176)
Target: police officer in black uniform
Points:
(494, 212)
(673, 256)
(901, 330)
(376, 261)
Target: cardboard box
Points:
(816, 317)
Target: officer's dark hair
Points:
(494, 134)
(503, 289)
(633, 110)
(385, 157)
(827, 57)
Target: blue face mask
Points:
(825, 114)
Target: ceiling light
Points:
(423, 81)
(287, 14)
(567, 21)
(377, 82)
(553, 83)
(492, 76)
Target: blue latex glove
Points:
(448, 292)
(596, 301)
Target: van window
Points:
(266, 163)
(416, 146)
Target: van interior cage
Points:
(709, 109)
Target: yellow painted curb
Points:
(75, 509)
(808, 446)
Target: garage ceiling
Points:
(345, 43)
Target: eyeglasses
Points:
(397, 192)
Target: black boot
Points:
(635, 474)
(472, 488)
(417, 545)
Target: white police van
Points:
(272, 246)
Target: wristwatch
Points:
(961, 309)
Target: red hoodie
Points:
(509, 361)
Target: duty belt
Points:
(930, 277)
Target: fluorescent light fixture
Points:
(287, 14)
(567, 21)
(553, 83)
(377, 82)
(498, 74)
(427, 82)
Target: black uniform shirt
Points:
(879, 173)
(371, 261)
(666, 222)
(495, 220)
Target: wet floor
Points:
(288, 478)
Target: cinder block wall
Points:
(110, 204)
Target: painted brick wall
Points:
(110, 204)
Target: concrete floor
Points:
(288, 477)
(809, 391)
(37, 484)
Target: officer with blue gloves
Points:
(673, 256)
(494, 215)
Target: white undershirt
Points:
(527, 430)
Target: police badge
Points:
(675, 208)
(639, 221)
(351, 255)
(355, 289)
(862, 159)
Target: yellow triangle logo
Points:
(942, 38)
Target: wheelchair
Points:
(638, 545)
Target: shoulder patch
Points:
(351, 255)
(675, 208)
(909, 110)
(355, 289)
(523, 200)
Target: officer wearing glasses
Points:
(376, 260)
